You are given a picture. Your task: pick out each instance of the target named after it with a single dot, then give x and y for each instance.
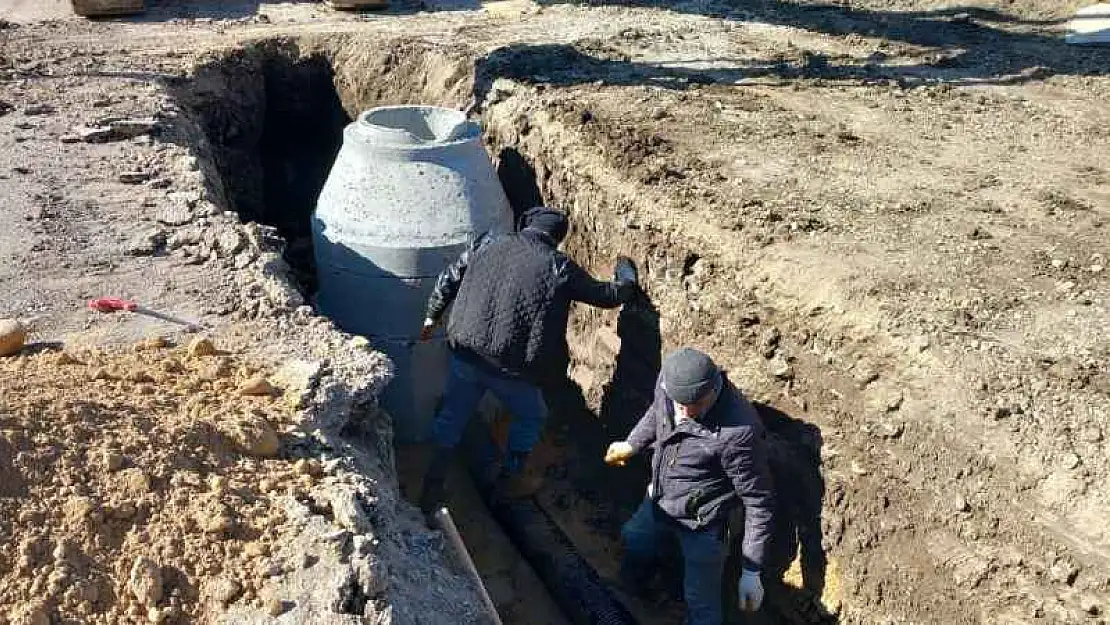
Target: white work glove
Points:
(751, 591)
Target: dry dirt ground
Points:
(885, 217)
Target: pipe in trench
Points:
(572, 582)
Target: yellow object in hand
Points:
(619, 453)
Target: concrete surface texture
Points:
(409, 189)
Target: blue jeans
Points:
(703, 552)
(466, 383)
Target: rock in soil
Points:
(146, 581)
(252, 434)
(257, 387)
(38, 109)
(134, 177)
(176, 212)
(201, 347)
(12, 336)
(119, 130)
(147, 242)
(225, 590)
(229, 243)
(348, 512)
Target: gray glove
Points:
(750, 591)
(625, 271)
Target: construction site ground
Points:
(885, 218)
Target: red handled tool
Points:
(116, 304)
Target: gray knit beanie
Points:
(688, 375)
(549, 221)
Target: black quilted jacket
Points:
(701, 468)
(511, 296)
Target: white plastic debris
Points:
(1090, 26)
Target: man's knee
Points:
(529, 415)
(450, 421)
(636, 539)
(639, 533)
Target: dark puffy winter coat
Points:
(510, 298)
(701, 468)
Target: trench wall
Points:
(894, 544)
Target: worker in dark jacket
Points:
(708, 455)
(510, 298)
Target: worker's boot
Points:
(433, 492)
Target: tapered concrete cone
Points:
(355, 5)
(411, 187)
(105, 8)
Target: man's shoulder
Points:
(495, 243)
(738, 416)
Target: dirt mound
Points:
(138, 484)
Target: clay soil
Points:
(116, 458)
(885, 218)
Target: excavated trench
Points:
(272, 116)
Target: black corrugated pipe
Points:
(572, 582)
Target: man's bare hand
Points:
(619, 453)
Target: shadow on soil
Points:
(166, 10)
(604, 497)
(614, 493)
(960, 46)
(275, 125)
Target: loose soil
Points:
(115, 457)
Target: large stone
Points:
(225, 590)
(134, 482)
(12, 336)
(373, 576)
(781, 369)
(146, 242)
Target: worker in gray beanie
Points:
(708, 456)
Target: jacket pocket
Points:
(697, 504)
